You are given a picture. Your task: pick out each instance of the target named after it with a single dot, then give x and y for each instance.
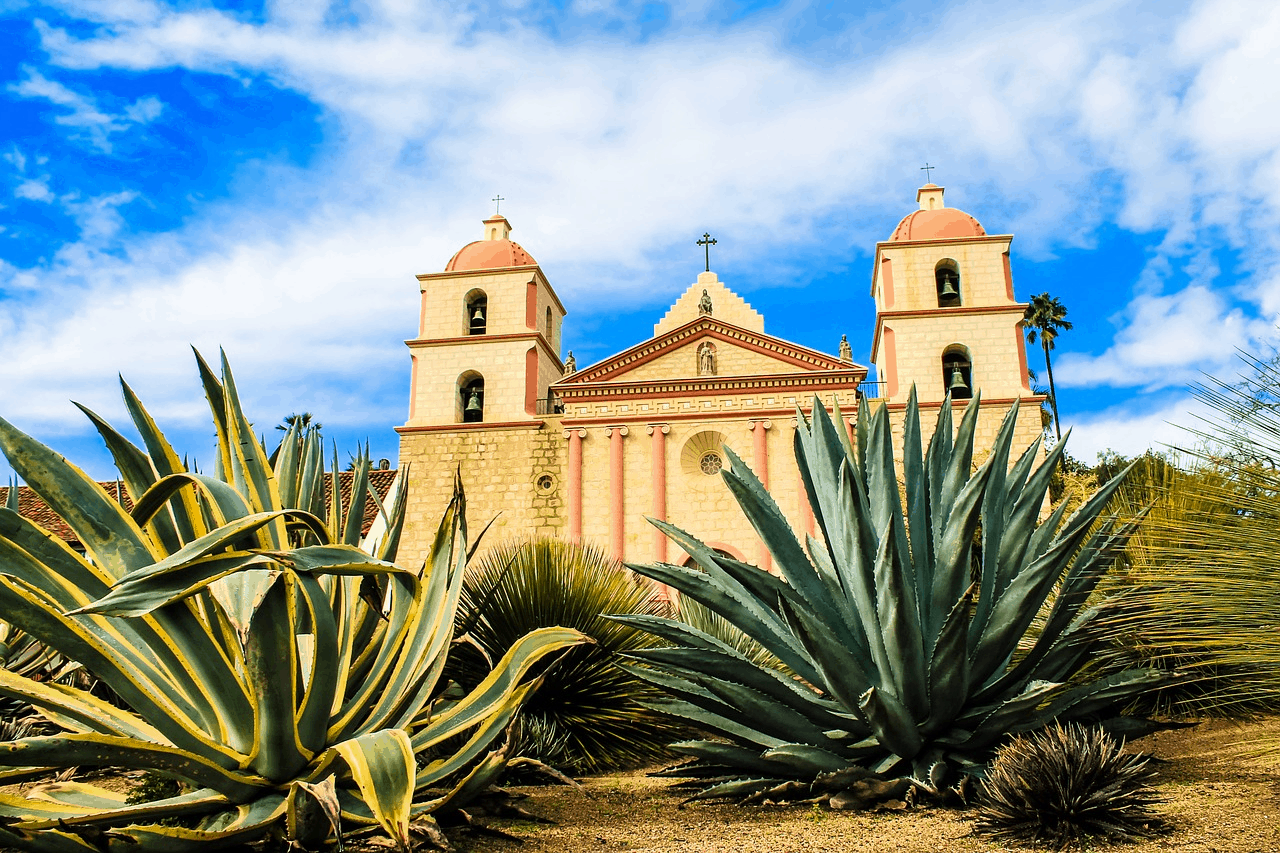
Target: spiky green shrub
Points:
(1065, 784)
(899, 665)
(283, 672)
(589, 715)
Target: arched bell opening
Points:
(476, 318)
(550, 340)
(957, 372)
(470, 398)
(946, 276)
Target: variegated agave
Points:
(904, 656)
(284, 674)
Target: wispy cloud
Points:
(82, 112)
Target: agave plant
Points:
(904, 657)
(285, 675)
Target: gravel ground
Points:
(1216, 800)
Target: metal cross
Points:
(707, 242)
(928, 170)
(498, 200)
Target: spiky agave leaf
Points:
(1065, 784)
(233, 626)
(900, 666)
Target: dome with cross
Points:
(496, 250)
(935, 221)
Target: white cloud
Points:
(611, 152)
(83, 112)
(34, 190)
(1167, 340)
(1132, 429)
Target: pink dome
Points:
(945, 223)
(489, 255)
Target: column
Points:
(617, 503)
(659, 465)
(574, 485)
(760, 463)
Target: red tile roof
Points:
(32, 506)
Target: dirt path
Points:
(1216, 800)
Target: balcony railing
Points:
(550, 405)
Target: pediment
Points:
(735, 352)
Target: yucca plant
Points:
(1064, 785)
(589, 715)
(283, 673)
(899, 666)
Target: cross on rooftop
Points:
(707, 242)
(928, 171)
(497, 200)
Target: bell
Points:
(473, 404)
(948, 289)
(957, 382)
(478, 317)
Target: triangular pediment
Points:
(682, 354)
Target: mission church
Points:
(586, 454)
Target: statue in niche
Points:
(707, 359)
(704, 304)
(570, 364)
(846, 351)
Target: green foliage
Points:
(589, 715)
(1044, 318)
(1064, 785)
(899, 665)
(276, 662)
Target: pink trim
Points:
(1022, 355)
(617, 502)
(760, 460)
(890, 363)
(404, 430)
(659, 465)
(1008, 277)
(886, 282)
(531, 306)
(531, 381)
(413, 384)
(575, 483)
(422, 315)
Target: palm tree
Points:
(1044, 318)
(303, 421)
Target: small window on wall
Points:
(477, 312)
(470, 398)
(548, 324)
(957, 373)
(947, 279)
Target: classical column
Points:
(659, 463)
(575, 437)
(617, 504)
(760, 463)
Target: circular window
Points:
(545, 483)
(711, 463)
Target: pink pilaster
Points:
(617, 503)
(575, 437)
(760, 462)
(659, 464)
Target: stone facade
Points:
(589, 454)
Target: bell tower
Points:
(946, 316)
(488, 343)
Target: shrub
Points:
(589, 715)
(1065, 784)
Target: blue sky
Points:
(269, 177)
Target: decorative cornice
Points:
(778, 383)
(537, 336)
(704, 327)
(473, 427)
(436, 276)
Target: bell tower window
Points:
(548, 324)
(946, 277)
(477, 312)
(470, 402)
(957, 372)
